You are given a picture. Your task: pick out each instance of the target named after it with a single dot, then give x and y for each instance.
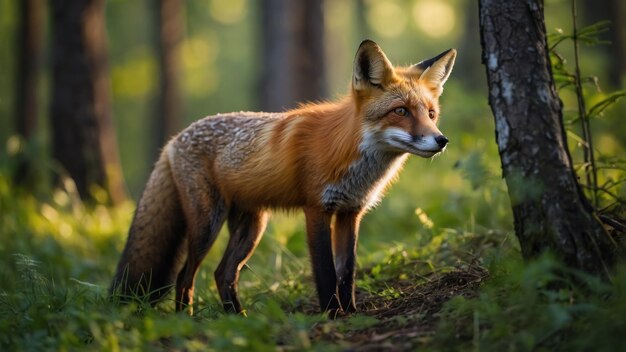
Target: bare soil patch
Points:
(410, 319)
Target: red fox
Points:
(333, 160)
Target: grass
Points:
(436, 296)
(461, 288)
(534, 306)
(439, 269)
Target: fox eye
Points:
(431, 114)
(401, 111)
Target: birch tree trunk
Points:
(549, 208)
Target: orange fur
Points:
(298, 154)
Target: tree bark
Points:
(30, 40)
(293, 53)
(168, 116)
(549, 208)
(29, 63)
(83, 136)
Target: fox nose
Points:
(441, 140)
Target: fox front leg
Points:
(321, 252)
(345, 236)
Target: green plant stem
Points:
(590, 164)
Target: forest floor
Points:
(410, 318)
(432, 292)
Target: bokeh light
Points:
(387, 18)
(135, 77)
(228, 11)
(434, 18)
(199, 51)
(198, 56)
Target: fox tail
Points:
(155, 250)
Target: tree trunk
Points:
(82, 129)
(293, 53)
(549, 208)
(168, 116)
(30, 41)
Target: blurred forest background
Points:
(223, 55)
(163, 64)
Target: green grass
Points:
(537, 306)
(445, 220)
(58, 258)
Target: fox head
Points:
(400, 106)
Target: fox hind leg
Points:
(246, 229)
(205, 212)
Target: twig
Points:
(590, 167)
(613, 223)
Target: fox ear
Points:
(371, 67)
(435, 72)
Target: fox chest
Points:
(362, 186)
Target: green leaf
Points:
(576, 137)
(597, 109)
(555, 39)
(595, 29)
(589, 35)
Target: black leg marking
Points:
(320, 249)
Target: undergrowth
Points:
(447, 286)
(534, 306)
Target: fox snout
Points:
(442, 141)
(427, 146)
